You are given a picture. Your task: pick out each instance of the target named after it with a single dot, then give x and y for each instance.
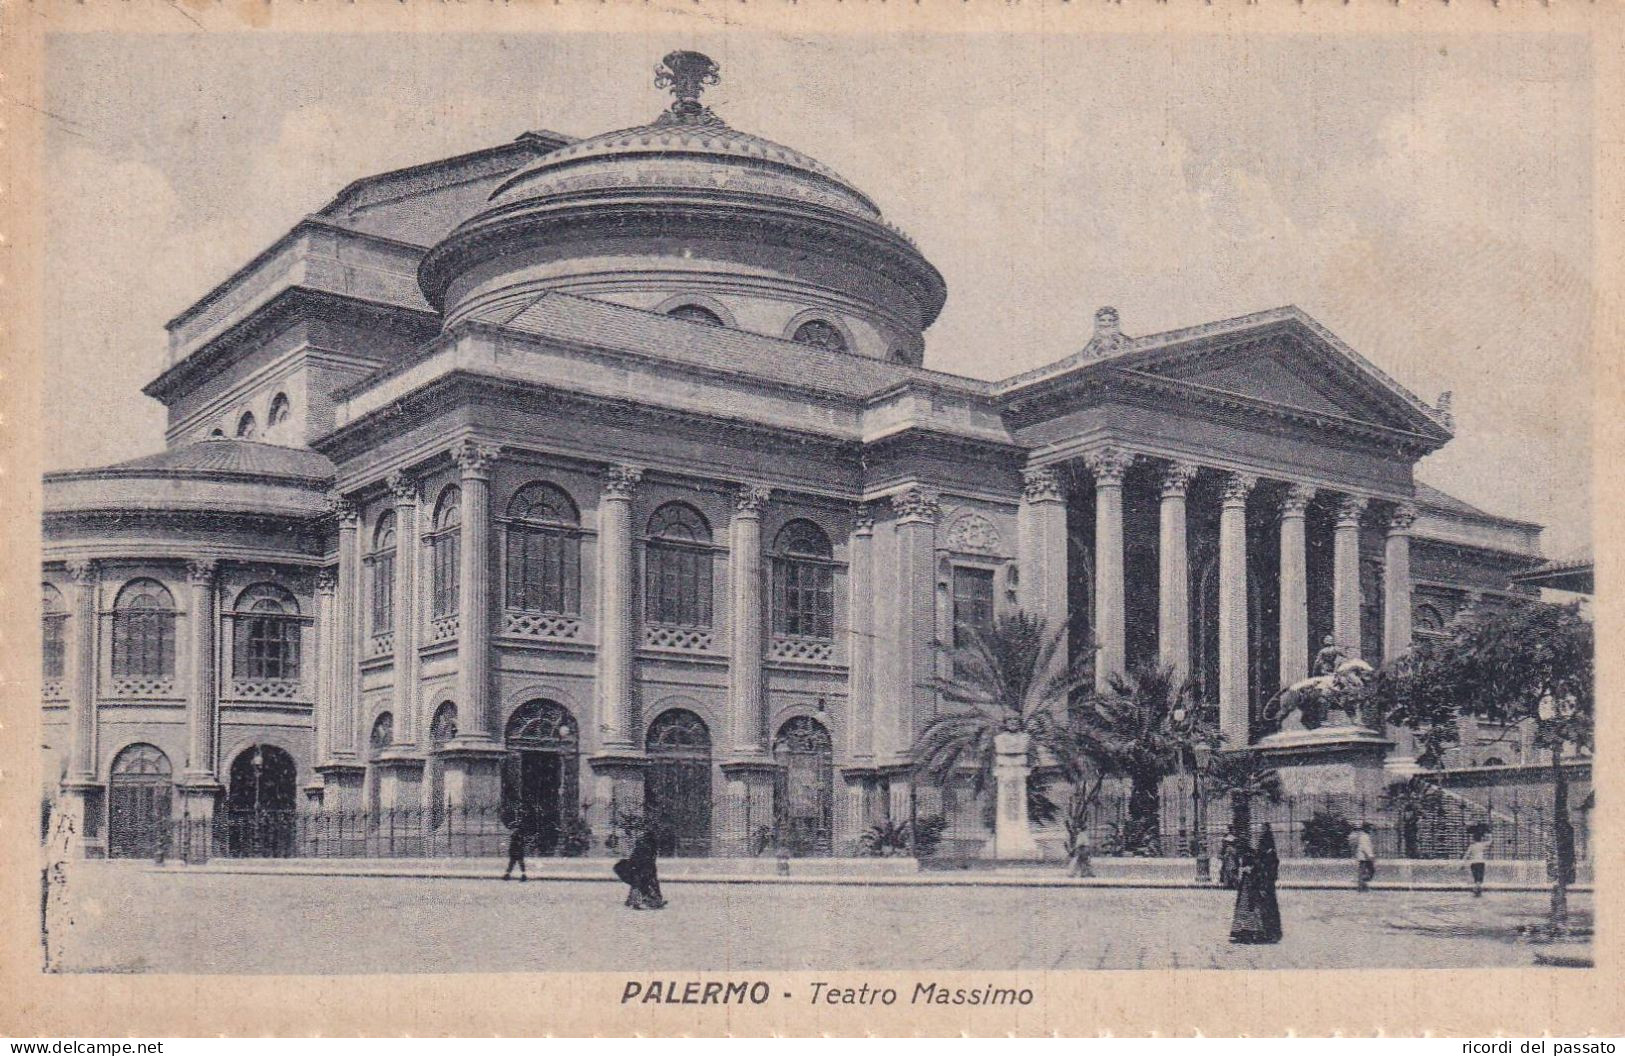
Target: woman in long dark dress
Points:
(1257, 918)
(640, 875)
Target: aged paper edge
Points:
(1359, 1003)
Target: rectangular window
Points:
(143, 644)
(803, 598)
(445, 558)
(54, 654)
(383, 592)
(677, 586)
(544, 571)
(973, 603)
(267, 648)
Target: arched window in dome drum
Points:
(677, 564)
(266, 630)
(246, 426)
(696, 313)
(820, 333)
(54, 615)
(445, 552)
(803, 582)
(544, 551)
(381, 563)
(144, 631)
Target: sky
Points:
(1427, 199)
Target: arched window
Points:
(246, 426)
(381, 563)
(544, 551)
(280, 409)
(139, 792)
(445, 553)
(677, 783)
(217, 433)
(144, 631)
(443, 727)
(803, 582)
(1427, 619)
(820, 333)
(383, 733)
(696, 313)
(677, 567)
(54, 615)
(266, 630)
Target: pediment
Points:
(1271, 375)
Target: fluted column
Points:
(860, 619)
(1041, 546)
(474, 460)
(82, 674)
(326, 584)
(1173, 574)
(1396, 594)
(1108, 467)
(346, 632)
(201, 701)
(917, 510)
(1234, 706)
(408, 619)
(1294, 586)
(745, 704)
(1346, 576)
(615, 617)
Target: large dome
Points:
(688, 216)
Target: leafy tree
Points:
(1140, 728)
(1533, 663)
(1241, 777)
(1011, 677)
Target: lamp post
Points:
(1204, 865)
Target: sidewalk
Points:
(1161, 874)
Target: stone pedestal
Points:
(748, 799)
(615, 794)
(400, 782)
(81, 804)
(193, 840)
(1330, 760)
(1012, 832)
(341, 787)
(855, 812)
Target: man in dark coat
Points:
(639, 874)
(1257, 918)
(518, 837)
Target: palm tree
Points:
(1241, 777)
(1146, 722)
(1012, 676)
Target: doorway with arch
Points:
(677, 785)
(804, 786)
(261, 792)
(541, 774)
(140, 790)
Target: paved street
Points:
(129, 919)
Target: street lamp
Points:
(1204, 865)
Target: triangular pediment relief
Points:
(1269, 373)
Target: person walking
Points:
(518, 836)
(1365, 856)
(639, 873)
(1477, 856)
(1229, 860)
(1081, 866)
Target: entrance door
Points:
(261, 800)
(138, 798)
(541, 776)
(804, 793)
(677, 789)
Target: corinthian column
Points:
(1041, 542)
(82, 674)
(918, 510)
(1396, 594)
(1234, 706)
(346, 629)
(1294, 586)
(745, 662)
(326, 583)
(1346, 576)
(1173, 574)
(474, 460)
(407, 617)
(1108, 466)
(201, 700)
(860, 639)
(615, 608)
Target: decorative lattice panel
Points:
(265, 689)
(142, 687)
(542, 626)
(683, 639)
(51, 690)
(443, 629)
(802, 650)
(381, 644)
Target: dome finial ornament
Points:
(687, 74)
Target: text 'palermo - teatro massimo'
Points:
(604, 476)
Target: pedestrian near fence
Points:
(1365, 856)
(1257, 916)
(1477, 856)
(518, 836)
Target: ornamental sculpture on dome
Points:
(687, 74)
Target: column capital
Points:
(1176, 479)
(863, 519)
(1042, 485)
(621, 481)
(474, 458)
(327, 581)
(1296, 499)
(202, 571)
(1108, 465)
(916, 503)
(1349, 510)
(342, 510)
(1400, 518)
(751, 499)
(1236, 487)
(83, 570)
(404, 487)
